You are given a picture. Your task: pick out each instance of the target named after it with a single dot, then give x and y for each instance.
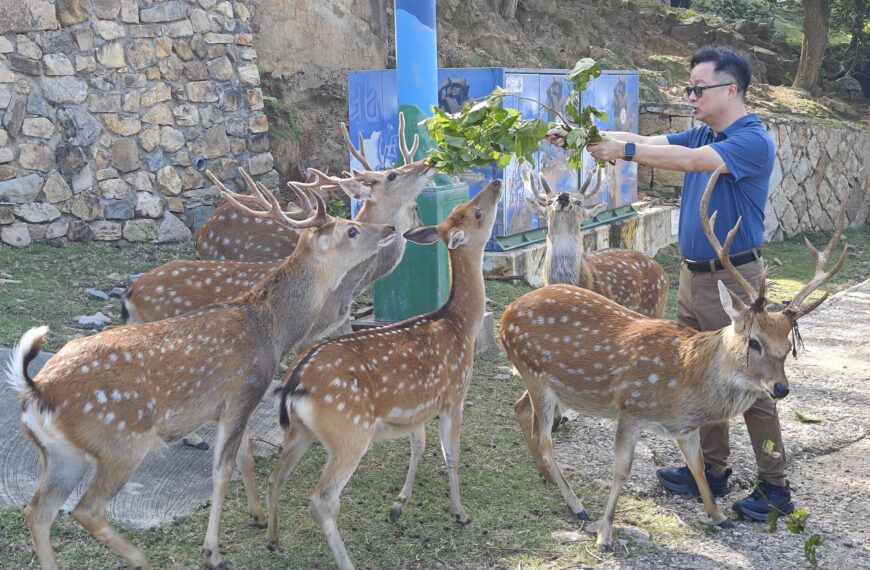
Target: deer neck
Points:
(286, 303)
(563, 263)
(467, 302)
(401, 218)
(723, 387)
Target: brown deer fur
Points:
(575, 348)
(112, 397)
(387, 382)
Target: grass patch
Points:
(514, 514)
(283, 122)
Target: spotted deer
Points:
(574, 347)
(111, 398)
(631, 278)
(386, 382)
(227, 234)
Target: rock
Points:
(116, 189)
(141, 54)
(92, 322)
(69, 159)
(107, 9)
(81, 128)
(7, 155)
(260, 164)
(186, 115)
(14, 117)
(7, 171)
(57, 229)
(200, 21)
(125, 155)
(171, 139)
(158, 115)
(149, 138)
(164, 12)
(249, 75)
(83, 179)
(105, 230)
(148, 205)
(119, 209)
(85, 39)
(130, 11)
(258, 124)
(7, 213)
(202, 92)
(38, 127)
(86, 206)
(117, 292)
(96, 294)
(221, 69)
(79, 232)
(110, 30)
(36, 156)
(62, 89)
(168, 181)
(57, 64)
(157, 94)
(16, 234)
(124, 126)
(111, 55)
(37, 212)
(27, 48)
(172, 230)
(254, 99)
(22, 190)
(71, 12)
(213, 144)
(56, 189)
(175, 205)
(141, 230)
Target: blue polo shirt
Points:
(748, 151)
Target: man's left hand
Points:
(608, 150)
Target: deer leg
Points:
(626, 440)
(543, 409)
(325, 500)
(61, 472)
(523, 410)
(245, 461)
(91, 510)
(449, 425)
(690, 445)
(297, 440)
(418, 446)
(230, 431)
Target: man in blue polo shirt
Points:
(719, 80)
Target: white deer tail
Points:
(16, 368)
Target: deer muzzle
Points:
(780, 391)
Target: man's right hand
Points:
(556, 136)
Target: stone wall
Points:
(112, 109)
(817, 166)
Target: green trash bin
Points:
(421, 281)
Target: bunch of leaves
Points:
(484, 131)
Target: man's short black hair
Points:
(726, 59)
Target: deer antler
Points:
(598, 174)
(360, 154)
(794, 309)
(408, 155)
(722, 251)
(273, 211)
(533, 185)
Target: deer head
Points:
(564, 212)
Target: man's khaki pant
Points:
(698, 306)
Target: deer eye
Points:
(753, 344)
(391, 176)
(477, 214)
(352, 232)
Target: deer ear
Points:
(355, 189)
(731, 303)
(423, 236)
(536, 205)
(594, 211)
(457, 238)
(323, 236)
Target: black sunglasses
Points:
(698, 90)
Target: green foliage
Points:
(736, 9)
(806, 419)
(768, 448)
(810, 546)
(283, 122)
(797, 521)
(484, 131)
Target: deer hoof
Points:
(727, 523)
(271, 545)
(607, 547)
(462, 522)
(395, 513)
(258, 522)
(583, 516)
(218, 566)
(201, 445)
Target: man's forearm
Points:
(627, 137)
(680, 158)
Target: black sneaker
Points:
(765, 498)
(681, 480)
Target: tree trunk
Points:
(509, 9)
(814, 43)
(856, 46)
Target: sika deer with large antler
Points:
(631, 278)
(387, 382)
(576, 348)
(112, 397)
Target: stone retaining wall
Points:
(112, 109)
(816, 167)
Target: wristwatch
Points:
(629, 150)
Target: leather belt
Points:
(716, 265)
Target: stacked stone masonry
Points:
(816, 167)
(111, 110)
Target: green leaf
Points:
(797, 521)
(767, 448)
(810, 546)
(584, 70)
(772, 518)
(806, 419)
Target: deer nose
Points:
(780, 391)
(562, 199)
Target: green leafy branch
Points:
(483, 131)
(796, 522)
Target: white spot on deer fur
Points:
(101, 396)
(672, 383)
(340, 406)
(116, 396)
(88, 406)
(653, 378)
(109, 417)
